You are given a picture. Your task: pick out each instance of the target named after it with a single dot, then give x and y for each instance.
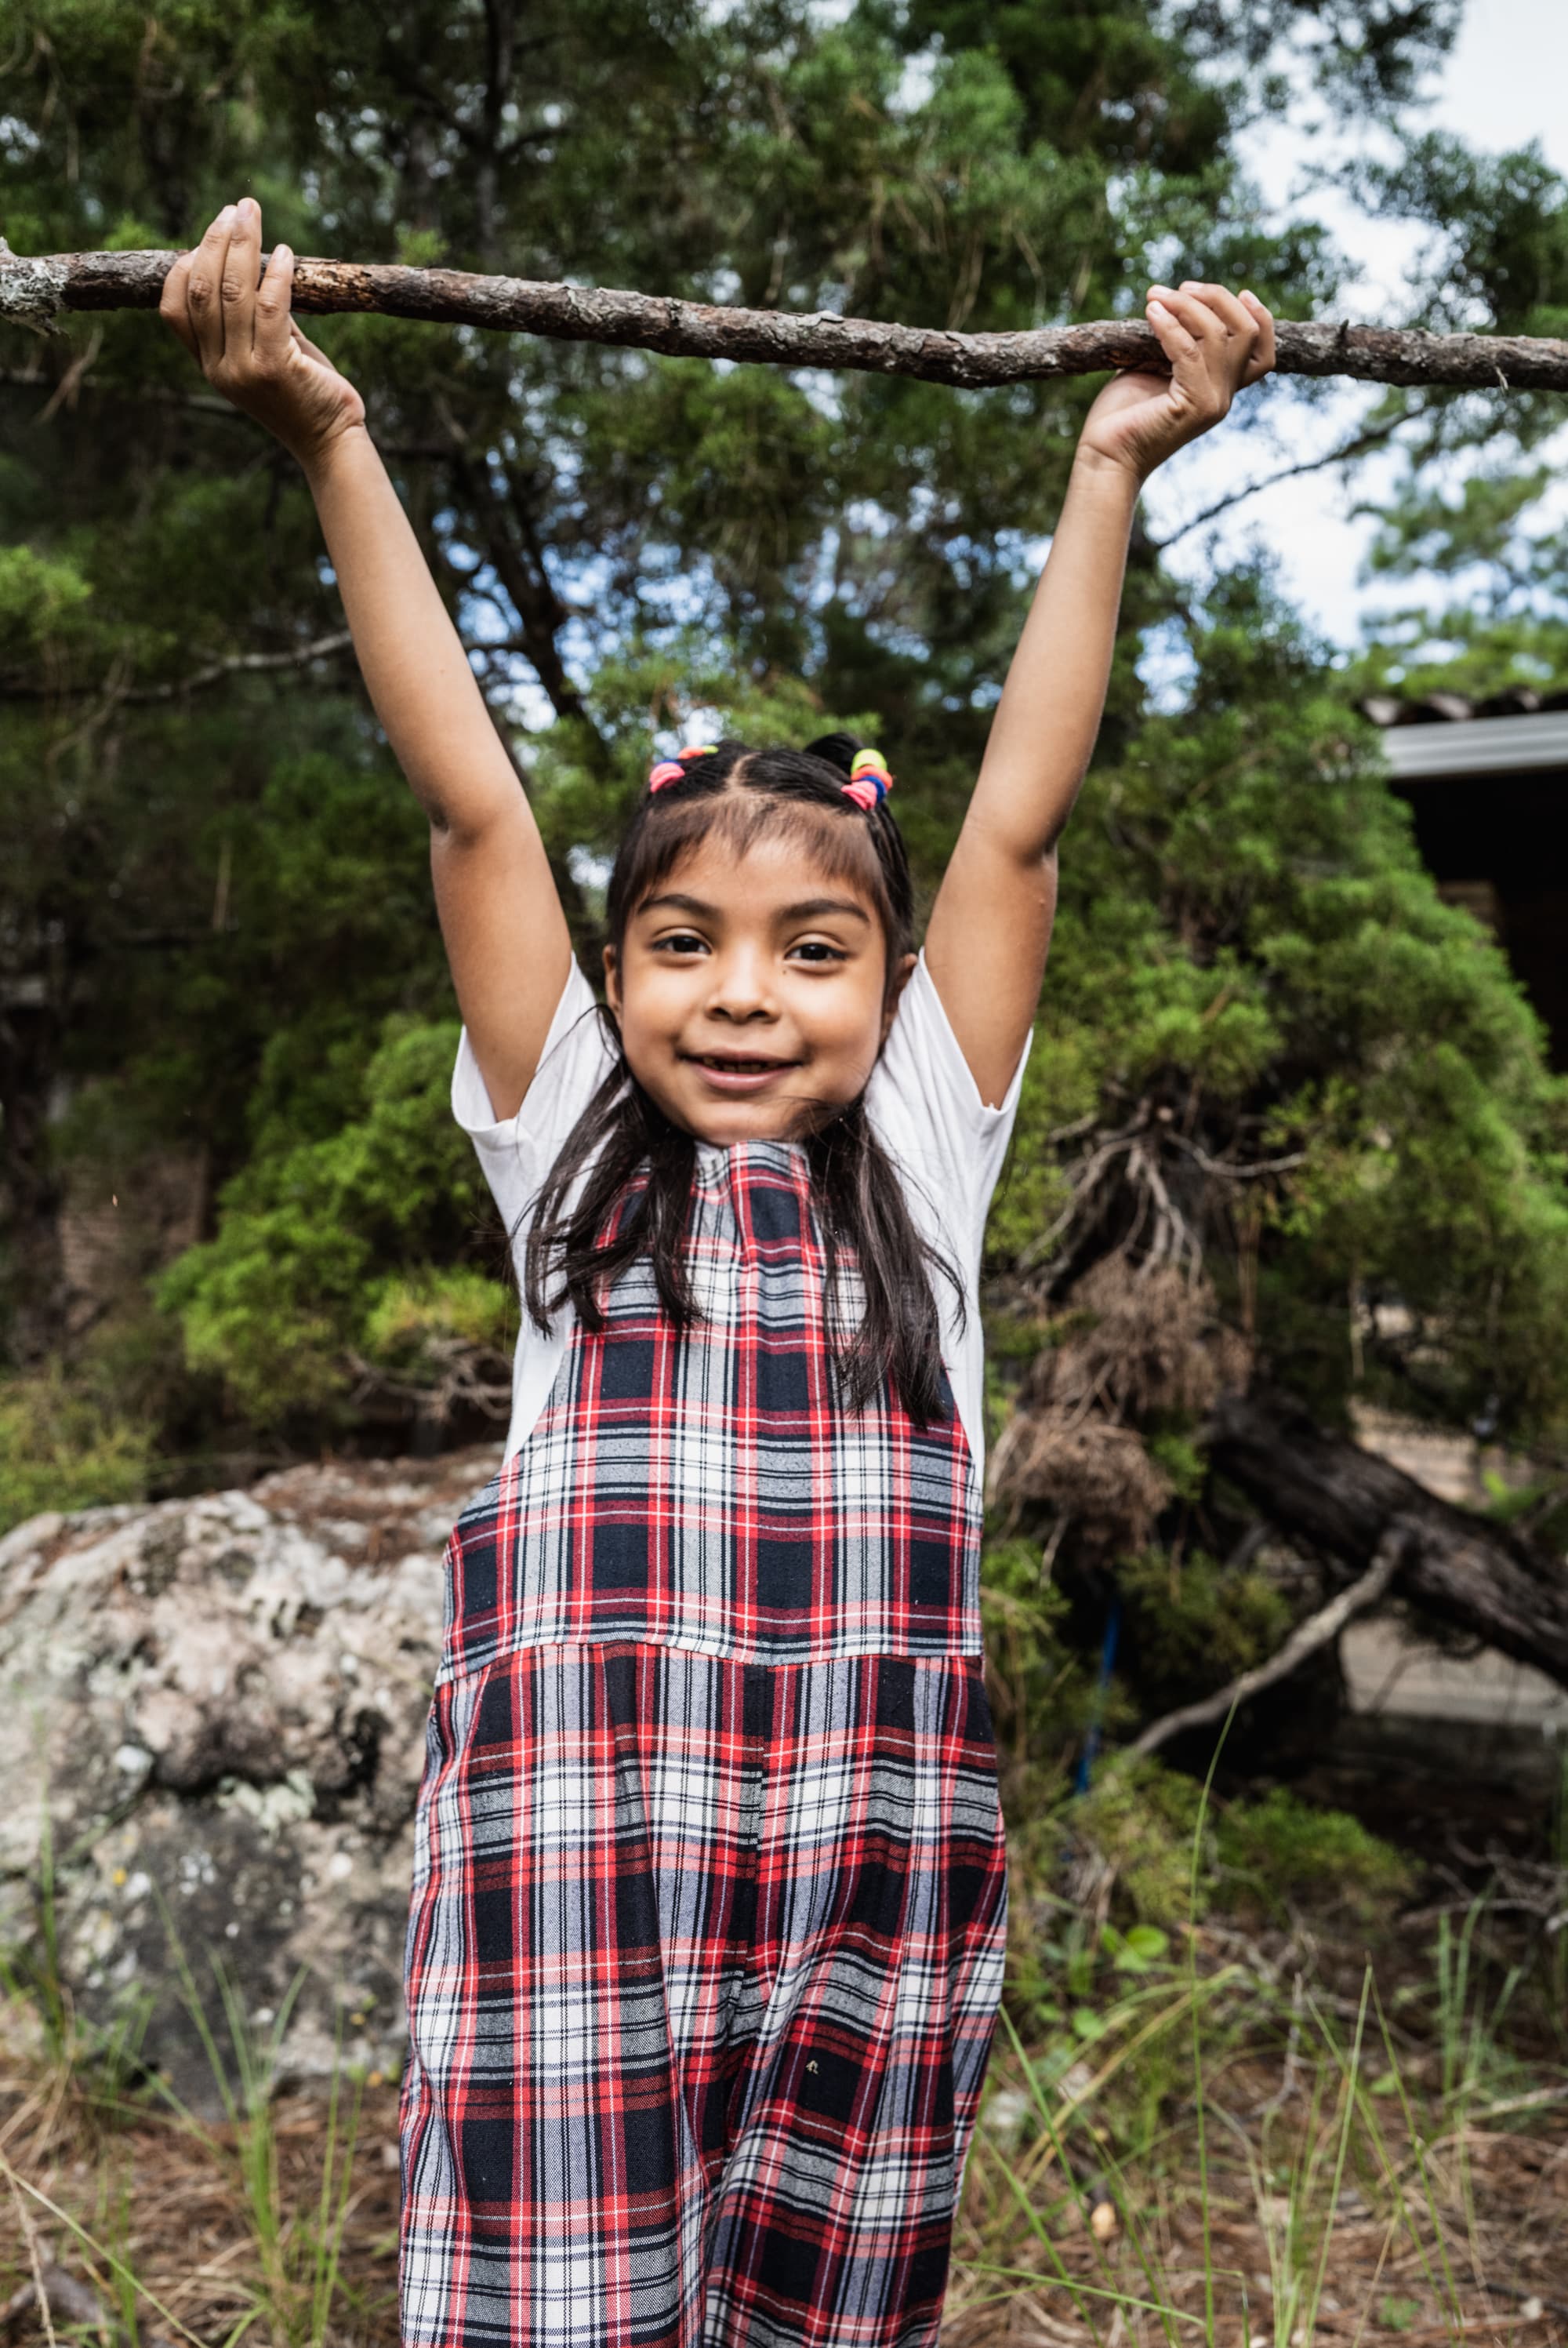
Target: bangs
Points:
(838, 843)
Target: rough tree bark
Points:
(30, 1194)
(1325, 1491)
(34, 291)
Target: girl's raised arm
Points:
(506, 934)
(991, 925)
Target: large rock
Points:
(219, 1706)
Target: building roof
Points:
(1449, 734)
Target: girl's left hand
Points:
(1216, 342)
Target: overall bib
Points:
(710, 1897)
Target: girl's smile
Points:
(735, 1075)
(751, 991)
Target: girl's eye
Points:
(818, 950)
(680, 941)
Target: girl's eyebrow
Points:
(683, 905)
(815, 905)
(804, 912)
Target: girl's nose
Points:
(741, 985)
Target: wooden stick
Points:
(1304, 1641)
(34, 292)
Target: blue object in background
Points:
(1091, 1751)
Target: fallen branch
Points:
(1322, 1491)
(33, 292)
(46, 2280)
(1305, 1640)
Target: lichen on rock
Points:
(222, 1702)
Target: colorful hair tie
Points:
(869, 781)
(669, 770)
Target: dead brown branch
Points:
(1325, 1493)
(1305, 1641)
(32, 291)
(55, 2292)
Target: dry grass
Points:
(164, 2198)
(1459, 2235)
(1241, 2131)
(1225, 2151)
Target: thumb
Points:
(310, 348)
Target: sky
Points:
(1504, 84)
(1492, 98)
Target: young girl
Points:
(710, 1899)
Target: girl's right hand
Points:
(247, 343)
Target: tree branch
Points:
(297, 656)
(1323, 1491)
(1373, 437)
(511, 545)
(34, 292)
(1305, 1640)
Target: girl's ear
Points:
(612, 980)
(899, 980)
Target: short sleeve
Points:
(925, 1107)
(518, 1152)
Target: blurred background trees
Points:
(1277, 1084)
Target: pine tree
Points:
(1315, 1089)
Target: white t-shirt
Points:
(924, 1107)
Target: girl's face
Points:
(752, 991)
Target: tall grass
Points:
(1116, 2213)
(291, 2295)
(1178, 2143)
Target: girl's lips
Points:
(739, 1076)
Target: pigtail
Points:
(836, 749)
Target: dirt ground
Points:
(1466, 2240)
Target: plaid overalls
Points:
(710, 1896)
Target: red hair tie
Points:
(669, 770)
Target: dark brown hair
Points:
(738, 794)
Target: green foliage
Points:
(1274, 1851)
(39, 599)
(327, 1250)
(1281, 1850)
(412, 1318)
(1143, 1819)
(63, 1445)
(1469, 503)
(1193, 1627)
(1043, 1695)
(1244, 927)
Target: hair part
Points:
(739, 795)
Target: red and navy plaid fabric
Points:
(704, 1488)
(704, 1963)
(710, 1893)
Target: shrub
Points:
(61, 1447)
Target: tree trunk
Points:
(1325, 1491)
(29, 1186)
